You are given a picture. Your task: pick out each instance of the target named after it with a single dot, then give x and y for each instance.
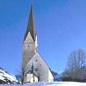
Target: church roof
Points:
(30, 26)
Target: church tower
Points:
(30, 40)
(34, 68)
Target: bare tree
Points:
(76, 61)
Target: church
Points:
(34, 68)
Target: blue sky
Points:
(60, 25)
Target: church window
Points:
(36, 69)
(36, 60)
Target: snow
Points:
(2, 78)
(50, 84)
(56, 84)
(5, 75)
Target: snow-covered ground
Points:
(57, 84)
(51, 84)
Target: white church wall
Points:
(30, 78)
(36, 45)
(43, 72)
(50, 78)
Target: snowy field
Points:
(52, 84)
(57, 84)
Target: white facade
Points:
(31, 78)
(41, 69)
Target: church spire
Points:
(30, 26)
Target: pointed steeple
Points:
(30, 26)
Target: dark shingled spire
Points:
(30, 26)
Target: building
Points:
(34, 68)
(6, 78)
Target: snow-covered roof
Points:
(5, 75)
(2, 78)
